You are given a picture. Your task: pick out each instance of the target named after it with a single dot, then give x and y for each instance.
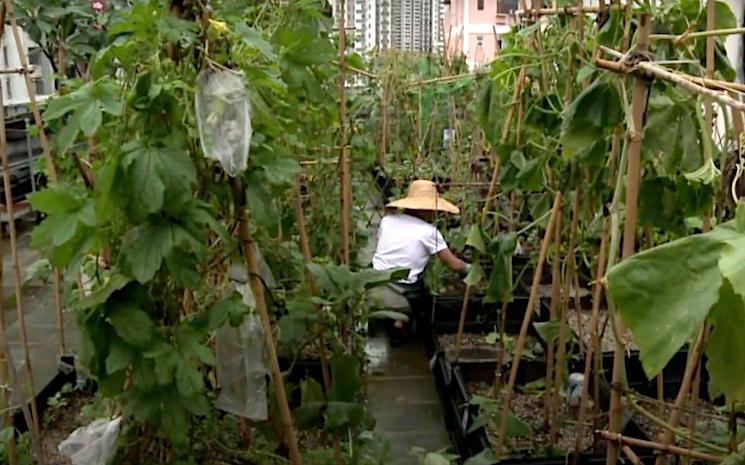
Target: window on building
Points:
(479, 41)
(6, 59)
(8, 89)
(480, 5)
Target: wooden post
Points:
(520, 344)
(593, 348)
(344, 169)
(9, 205)
(623, 440)
(257, 286)
(633, 180)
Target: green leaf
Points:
(174, 423)
(485, 457)
(475, 239)
(111, 284)
(740, 217)
(132, 324)
(548, 330)
(725, 349)
(433, 458)
(665, 293)
(253, 38)
(189, 380)
(345, 378)
(590, 117)
(344, 414)
(119, 357)
(500, 281)
(475, 275)
(57, 199)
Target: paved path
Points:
(403, 398)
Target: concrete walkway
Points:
(403, 398)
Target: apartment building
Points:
(15, 93)
(473, 28)
(411, 25)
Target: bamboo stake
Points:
(563, 328)
(633, 458)
(615, 438)
(685, 386)
(44, 142)
(10, 207)
(252, 266)
(555, 297)
(520, 344)
(644, 69)
(462, 320)
(593, 349)
(346, 188)
(633, 178)
(308, 258)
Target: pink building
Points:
(473, 28)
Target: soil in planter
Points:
(474, 347)
(584, 318)
(711, 425)
(63, 416)
(528, 407)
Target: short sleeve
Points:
(434, 242)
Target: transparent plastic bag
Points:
(223, 113)
(92, 444)
(241, 369)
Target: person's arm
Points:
(451, 261)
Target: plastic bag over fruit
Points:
(223, 111)
(92, 444)
(241, 369)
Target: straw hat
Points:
(422, 195)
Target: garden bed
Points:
(475, 433)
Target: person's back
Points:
(408, 242)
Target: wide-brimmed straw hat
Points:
(422, 195)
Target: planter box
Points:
(470, 441)
(66, 375)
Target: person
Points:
(408, 239)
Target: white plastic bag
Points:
(241, 369)
(223, 112)
(92, 444)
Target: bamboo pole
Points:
(252, 266)
(555, 298)
(615, 438)
(10, 208)
(563, 314)
(6, 368)
(633, 458)
(633, 180)
(346, 184)
(685, 386)
(593, 348)
(520, 344)
(645, 69)
(44, 142)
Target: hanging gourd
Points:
(223, 112)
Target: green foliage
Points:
(590, 117)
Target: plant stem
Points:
(520, 344)
(344, 174)
(555, 298)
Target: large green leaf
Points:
(500, 282)
(345, 377)
(163, 174)
(590, 116)
(726, 347)
(665, 293)
(132, 324)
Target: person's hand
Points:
(466, 268)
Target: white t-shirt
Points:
(406, 241)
